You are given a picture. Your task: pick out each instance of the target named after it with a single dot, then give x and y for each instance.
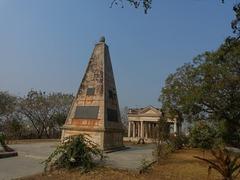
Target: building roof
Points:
(139, 111)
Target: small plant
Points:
(225, 163)
(75, 152)
(162, 151)
(145, 166)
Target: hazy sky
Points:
(46, 44)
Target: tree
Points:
(14, 127)
(46, 112)
(146, 4)
(236, 22)
(124, 117)
(7, 103)
(7, 107)
(208, 89)
(162, 148)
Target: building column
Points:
(180, 128)
(134, 128)
(175, 127)
(149, 130)
(129, 129)
(142, 130)
(153, 131)
(139, 129)
(146, 128)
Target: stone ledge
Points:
(116, 149)
(75, 128)
(8, 154)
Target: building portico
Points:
(142, 124)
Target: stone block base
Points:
(105, 140)
(113, 140)
(8, 154)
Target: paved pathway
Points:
(28, 162)
(130, 158)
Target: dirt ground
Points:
(179, 165)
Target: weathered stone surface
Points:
(6, 151)
(8, 154)
(95, 110)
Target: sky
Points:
(46, 44)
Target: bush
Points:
(202, 135)
(178, 142)
(75, 152)
(168, 146)
(13, 128)
(162, 151)
(145, 166)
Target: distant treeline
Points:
(36, 115)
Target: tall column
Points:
(129, 128)
(134, 128)
(149, 130)
(139, 129)
(153, 132)
(146, 128)
(142, 130)
(180, 128)
(175, 127)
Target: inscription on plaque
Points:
(86, 112)
(90, 91)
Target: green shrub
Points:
(145, 166)
(202, 135)
(75, 152)
(162, 151)
(178, 142)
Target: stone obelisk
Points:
(95, 109)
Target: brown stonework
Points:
(95, 109)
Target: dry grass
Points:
(182, 166)
(179, 166)
(101, 173)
